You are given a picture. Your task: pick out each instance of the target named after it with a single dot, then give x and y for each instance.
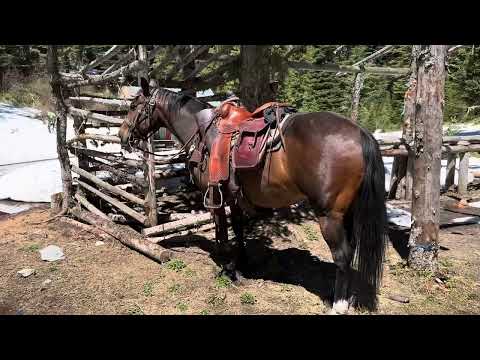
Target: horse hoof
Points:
(331, 312)
(340, 307)
(235, 276)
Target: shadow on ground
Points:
(289, 265)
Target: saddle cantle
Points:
(251, 135)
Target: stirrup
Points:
(213, 206)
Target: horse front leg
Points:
(228, 249)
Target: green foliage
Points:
(223, 282)
(148, 288)
(23, 79)
(176, 265)
(247, 299)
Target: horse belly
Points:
(271, 186)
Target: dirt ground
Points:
(290, 273)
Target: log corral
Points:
(113, 183)
(110, 182)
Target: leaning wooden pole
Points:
(429, 102)
(150, 203)
(402, 168)
(61, 126)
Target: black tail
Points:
(369, 220)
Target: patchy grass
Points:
(216, 300)
(247, 299)
(189, 273)
(223, 282)
(311, 232)
(176, 265)
(204, 312)
(175, 288)
(148, 288)
(53, 268)
(31, 248)
(182, 307)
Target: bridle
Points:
(149, 108)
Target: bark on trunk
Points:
(357, 88)
(402, 177)
(61, 126)
(150, 190)
(423, 241)
(255, 76)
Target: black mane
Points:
(174, 101)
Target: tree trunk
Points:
(255, 79)
(428, 115)
(357, 88)
(150, 202)
(402, 177)
(61, 126)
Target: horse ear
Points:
(145, 86)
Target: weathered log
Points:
(114, 50)
(221, 56)
(89, 206)
(56, 202)
(179, 225)
(101, 79)
(98, 118)
(197, 51)
(98, 137)
(463, 173)
(450, 171)
(462, 148)
(107, 186)
(394, 152)
(91, 229)
(203, 228)
(170, 173)
(373, 56)
(301, 65)
(178, 160)
(129, 56)
(107, 156)
(99, 104)
(169, 56)
(126, 235)
(122, 207)
(469, 210)
(118, 174)
(455, 139)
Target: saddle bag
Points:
(249, 145)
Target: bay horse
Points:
(326, 159)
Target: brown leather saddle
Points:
(239, 143)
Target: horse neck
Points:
(183, 125)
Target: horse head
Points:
(142, 119)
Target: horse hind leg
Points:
(334, 233)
